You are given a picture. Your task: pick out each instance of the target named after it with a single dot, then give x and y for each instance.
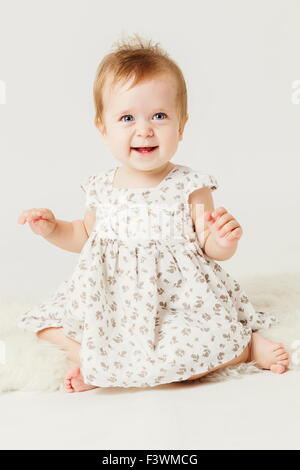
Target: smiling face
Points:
(143, 116)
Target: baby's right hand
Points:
(41, 221)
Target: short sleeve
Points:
(88, 186)
(196, 180)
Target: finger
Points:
(223, 219)
(25, 215)
(35, 214)
(35, 218)
(46, 213)
(228, 228)
(23, 218)
(43, 211)
(230, 236)
(234, 235)
(219, 211)
(208, 217)
(30, 217)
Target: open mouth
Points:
(144, 150)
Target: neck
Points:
(128, 171)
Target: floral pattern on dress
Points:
(146, 304)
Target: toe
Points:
(68, 385)
(284, 362)
(280, 352)
(72, 373)
(283, 355)
(278, 346)
(277, 368)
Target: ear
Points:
(101, 129)
(180, 131)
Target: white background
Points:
(239, 58)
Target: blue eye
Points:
(125, 116)
(160, 113)
(121, 119)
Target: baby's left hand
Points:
(224, 228)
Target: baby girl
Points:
(147, 303)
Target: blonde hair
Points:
(135, 57)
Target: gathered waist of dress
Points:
(136, 242)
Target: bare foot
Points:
(268, 355)
(74, 381)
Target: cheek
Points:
(170, 131)
(118, 138)
(170, 137)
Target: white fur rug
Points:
(28, 363)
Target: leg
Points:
(56, 336)
(73, 381)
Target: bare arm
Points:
(72, 236)
(201, 201)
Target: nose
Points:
(144, 129)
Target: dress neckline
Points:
(113, 172)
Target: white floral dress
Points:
(144, 301)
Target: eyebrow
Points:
(127, 111)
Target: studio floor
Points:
(256, 411)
